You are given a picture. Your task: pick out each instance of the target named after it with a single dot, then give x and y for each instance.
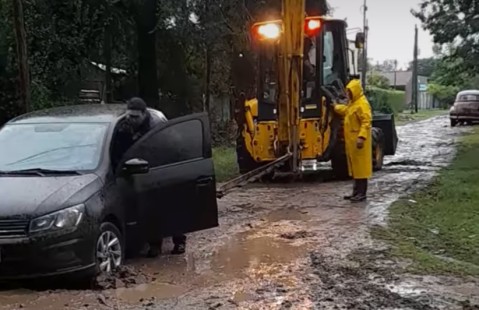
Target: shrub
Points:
(385, 100)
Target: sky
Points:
(391, 28)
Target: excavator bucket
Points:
(386, 123)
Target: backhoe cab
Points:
(300, 71)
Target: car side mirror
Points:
(136, 166)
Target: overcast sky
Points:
(391, 27)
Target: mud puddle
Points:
(285, 246)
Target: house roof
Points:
(402, 78)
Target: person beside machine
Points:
(357, 135)
(139, 121)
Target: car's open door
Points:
(177, 193)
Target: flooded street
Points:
(288, 246)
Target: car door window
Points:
(176, 143)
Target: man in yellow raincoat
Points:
(357, 135)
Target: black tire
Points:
(339, 162)
(109, 230)
(339, 159)
(378, 149)
(246, 163)
(453, 123)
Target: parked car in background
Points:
(65, 208)
(465, 108)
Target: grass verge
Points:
(438, 228)
(406, 116)
(225, 163)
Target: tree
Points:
(445, 94)
(22, 54)
(426, 66)
(378, 80)
(453, 21)
(386, 66)
(146, 21)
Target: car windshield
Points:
(54, 146)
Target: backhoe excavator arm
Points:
(290, 77)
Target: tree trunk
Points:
(22, 55)
(147, 67)
(208, 79)
(107, 58)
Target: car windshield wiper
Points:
(40, 172)
(48, 152)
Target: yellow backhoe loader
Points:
(288, 125)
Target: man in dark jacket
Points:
(138, 122)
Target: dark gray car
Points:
(65, 208)
(465, 108)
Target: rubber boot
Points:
(355, 190)
(362, 191)
(180, 245)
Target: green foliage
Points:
(456, 45)
(437, 227)
(386, 101)
(378, 80)
(449, 77)
(453, 21)
(425, 66)
(225, 163)
(445, 94)
(386, 66)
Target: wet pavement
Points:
(289, 246)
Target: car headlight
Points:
(62, 219)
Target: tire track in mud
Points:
(283, 246)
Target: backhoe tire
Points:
(378, 149)
(339, 162)
(246, 163)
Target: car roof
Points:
(84, 113)
(468, 92)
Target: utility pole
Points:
(22, 54)
(414, 73)
(365, 49)
(395, 73)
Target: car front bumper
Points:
(47, 255)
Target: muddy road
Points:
(287, 246)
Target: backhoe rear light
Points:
(312, 26)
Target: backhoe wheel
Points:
(378, 149)
(246, 163)
(339, 162)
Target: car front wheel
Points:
(109, 248)
(453, 123)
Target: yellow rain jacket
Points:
(357, 123)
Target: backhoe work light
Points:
(312, 26)
(267, 31)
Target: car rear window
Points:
(469, 98)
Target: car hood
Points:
(36, 196)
